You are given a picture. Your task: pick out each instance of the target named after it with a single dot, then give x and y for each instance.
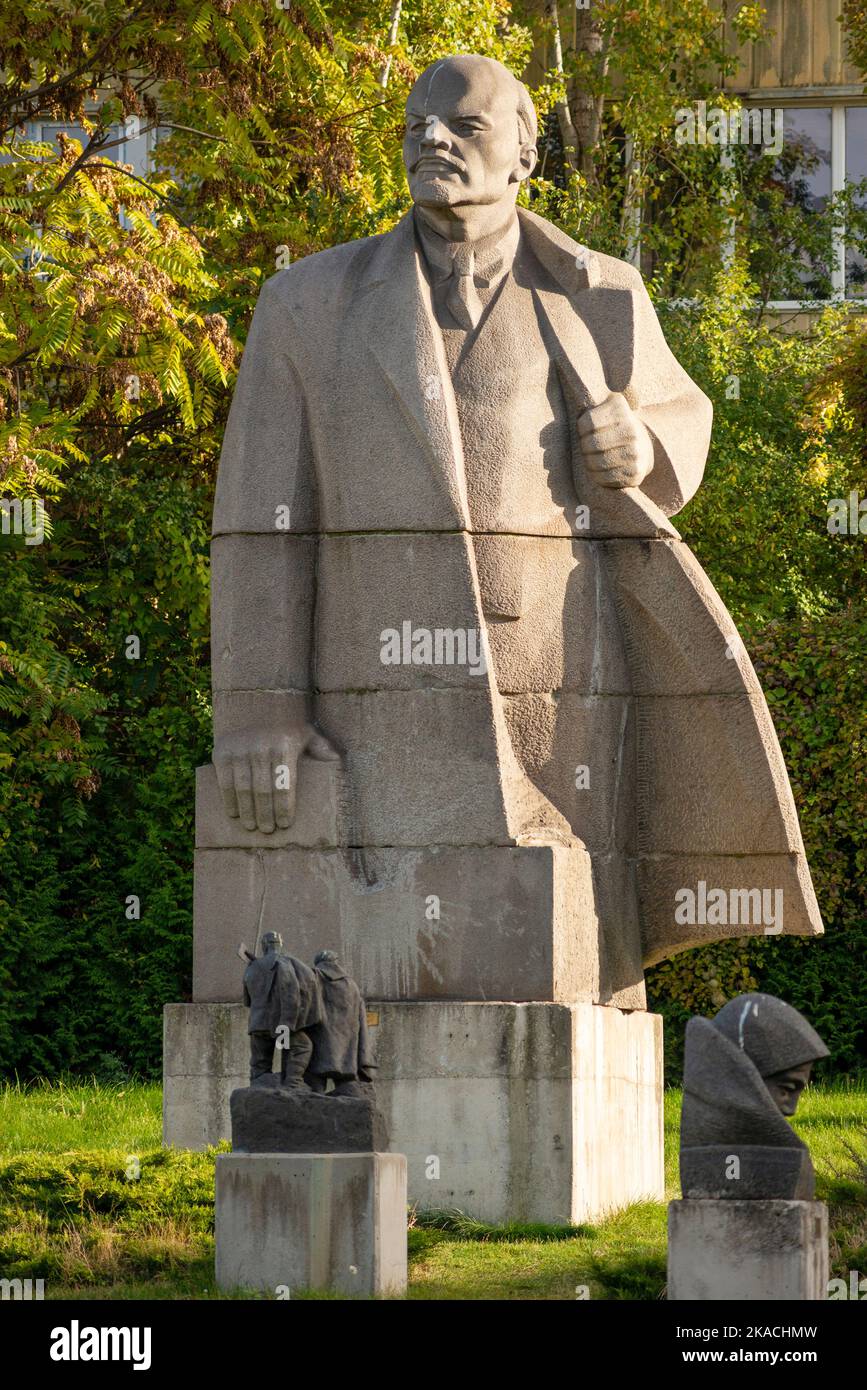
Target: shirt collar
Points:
(494, 254)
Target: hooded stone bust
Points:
(744, 1071)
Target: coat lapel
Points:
(401, 334)
(613, 511)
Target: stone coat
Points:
(280, 990)
(344, 424)
(341, 1044)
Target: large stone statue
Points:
(443, 555)
(480, 718)
(744, 1071)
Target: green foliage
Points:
(55, 1116)
(122, 307)
(793, 439)
(83, 1216)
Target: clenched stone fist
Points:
(616, 445)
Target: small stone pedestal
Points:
(747, 1251)
(311, 1221)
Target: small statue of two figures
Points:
(315, 1018)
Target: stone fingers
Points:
(242, 773)
(264, 781)
(285, 774)
(226, 783)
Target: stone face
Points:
(439, 923)
(289, 1222)
(268, 1119)
(534, 1112)
(754, 1251)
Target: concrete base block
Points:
(458, 923)
(533, 1112)
(509, 1112)
(206, 1056)
(762, 1251)
(311, 1221)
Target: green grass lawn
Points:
(91, 1202)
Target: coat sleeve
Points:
(266, 460)
(263, 552)
(676, 412)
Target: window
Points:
(856, 171)
(825, 147)
(134, 149)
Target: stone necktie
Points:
(462, 297)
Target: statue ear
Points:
(526, 164)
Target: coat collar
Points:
(399, 328)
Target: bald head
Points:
(470, 136)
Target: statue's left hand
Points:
(616, 445)
(257, 770)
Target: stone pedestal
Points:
(286, 1222)
(446, 921)
(271, 1119)
(748, 1251)
(206, 1056)
(510, 1112)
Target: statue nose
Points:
(436, 134)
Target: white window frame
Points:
(836, 100)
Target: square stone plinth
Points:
(759, 1251)
(286, 1222)
(206, 1056)
(459, 923)
(510, 1112)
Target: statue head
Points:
(325, 958)
(778, 1041)
(271, 941)
(470, 134)
(743, 1075)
